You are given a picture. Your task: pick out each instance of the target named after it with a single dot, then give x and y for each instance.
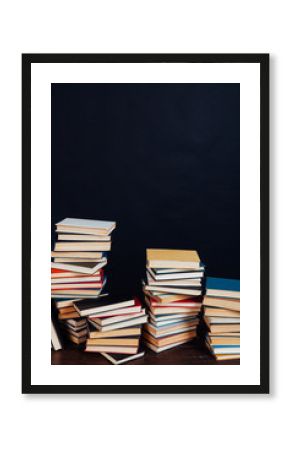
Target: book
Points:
(81, 267)
(225, 340)
(221, 328)
(77, 260)
(111, 349)
(197, 274)
(168, 258)
(175, 290)
(227, 350)
(65, 302)
(77, 340)
(124, 324)
(77, 322)
(123, 341)
(162, 297)
(77, 333)
(66, 296)
(68, 315)
(222, 287)
(55, 338)
(170, 317)
(133, 331)
(108, 319)
(160, 325)
(68, 286)
(67, 309)
(157, 349)
(113, 315)
(220, 312)
(188, 302)
(92, 306)
(77, 279)
(226, 357)
(178, 283)
(223, 320)
(225, 303)
(60, 273)
(77, 328)
(95, 247)
(76, 292)
(226, 334)
(78, 255)
(117, 314)
(162, 333)
(166, 328)
(117, 359)
(175, 310)
(86, 226)
(162, 270)
(83, 237)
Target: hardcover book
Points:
(86, 226)
(92, 306)
(168, 258)
(81, 267)
(222, 287)
(117, 359)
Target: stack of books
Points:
(77, 270)
(76, 330)
(115, 327)
(173, 295)
(222, 317)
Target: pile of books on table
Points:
(115, 327)
(79, 256)
(222, 317)
(173, 295)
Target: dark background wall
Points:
(163, 160)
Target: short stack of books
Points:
(115, 327)
(222, 317)
(79, 256)
(76, 330)
(173, 295)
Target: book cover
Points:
(168, 258)
(91, 306)
(222, 284)
(87, 223)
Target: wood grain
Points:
(191, 353)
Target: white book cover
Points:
(87, 223)
(223, 320)
(226, 350)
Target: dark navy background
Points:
(163, 160)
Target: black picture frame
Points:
(263, 61)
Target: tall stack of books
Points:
(114, 327)
(173, 295)
(79, 256)
(222, 317)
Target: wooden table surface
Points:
(191, 353)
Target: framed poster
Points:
(145, 223)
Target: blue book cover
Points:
(222, 284)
